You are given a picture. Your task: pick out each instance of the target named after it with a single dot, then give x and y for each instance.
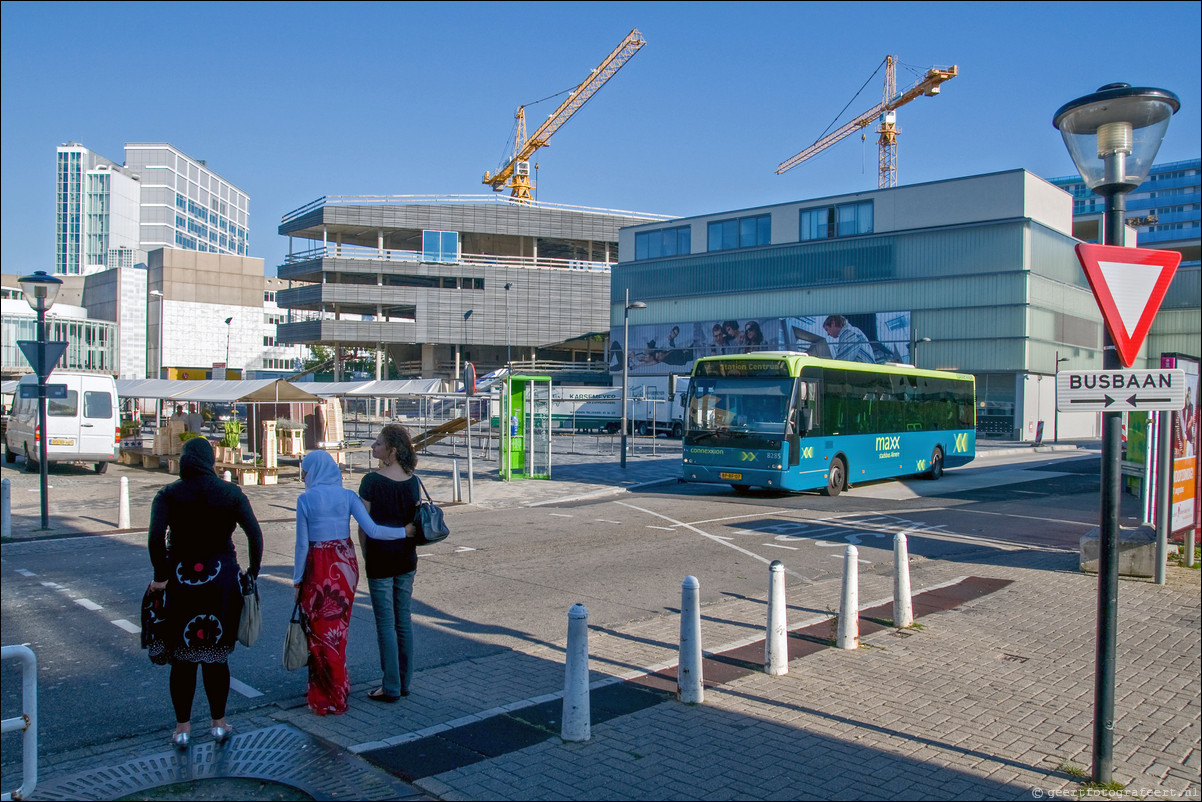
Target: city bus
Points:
(788, 421)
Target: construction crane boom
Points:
(883, 111)
(516, 172)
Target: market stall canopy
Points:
(215, 391)
(396, 388)
(330, 389)
(9, 387)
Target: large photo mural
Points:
(672, 348)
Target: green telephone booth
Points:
(525, 422)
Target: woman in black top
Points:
(192, 549)
(391, 495)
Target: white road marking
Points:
(54, 585)
(128, 626)
(463, 548)
(778, 546)
(25, 572)
(244, 689)
(606, 521)
(664, 528)
(560, 515)
(88, 604)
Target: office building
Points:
(974, 274)
(96, 210)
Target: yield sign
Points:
(1129, 284)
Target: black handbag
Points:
(154, 621)
(431, 527)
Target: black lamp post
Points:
(40, 291)
(626, 362)
(508, 352)
(228, 321)
(1113, 136)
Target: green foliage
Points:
(233, 434)
(186, 436)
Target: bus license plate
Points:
(61, 441)
(735, 476)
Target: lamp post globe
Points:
(1113, 136)
(40, 290)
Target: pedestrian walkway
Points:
(989, 697)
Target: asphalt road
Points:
(508, 576)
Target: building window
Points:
(663, 242)
(741, 232)
(440, 246)
(845, 220)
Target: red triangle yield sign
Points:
(1129, 284)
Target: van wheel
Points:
(31, 464)
(9, 455)
(836, 477)
(101, 467)
(936, 469)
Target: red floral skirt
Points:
(327, 595)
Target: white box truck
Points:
(83, 419)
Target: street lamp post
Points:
(917, 343)
(508, 352)
(1113, 136)
(1056, 414)
(626, 362)
(40, 290)
(228, 329)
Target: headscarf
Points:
(324, 493)
(320, 469)
(196, 459)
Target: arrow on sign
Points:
(1128, 284)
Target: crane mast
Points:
(516, 172)
(884, 112)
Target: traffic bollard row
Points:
(688, 672)
(576, 712)
(123, 505)
(776, 641)
(903, 604)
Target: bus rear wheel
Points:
(836, 477)
(936, 469)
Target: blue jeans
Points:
(390, 597)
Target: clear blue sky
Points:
(292, 101)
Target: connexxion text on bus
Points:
(788, 421)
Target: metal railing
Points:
(27, 721)
(334, 251)
(479, 200)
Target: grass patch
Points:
(1073, 770)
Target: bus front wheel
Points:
(936, 469)
(836, 477)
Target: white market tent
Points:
(248, 391)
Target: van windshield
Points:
(63, 407)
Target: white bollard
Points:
(903, 604)
(6, 508)
(576, 715)
(688, 672)
(227, 476)
(776, 642)
(849, 606)
(456, 490)
(123, 505)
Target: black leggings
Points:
(183, 688)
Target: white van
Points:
(85, 425)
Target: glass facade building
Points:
(96, 211)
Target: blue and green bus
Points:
(788, 421)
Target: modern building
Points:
(974, 274)
(434, 281)
(1166, 213)
(92, 344)
(96, 211)
(185, 205)
(109, 215)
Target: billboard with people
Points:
(663, 348)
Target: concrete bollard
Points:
(227, 476)
(6, 508)
(776, 641)
(123, 505)
(576, 714)
(456, 489)
(849, 606)
(688, 672)
(903, 602)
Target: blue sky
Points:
(292, 101)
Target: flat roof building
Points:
(435, 280)
(974, 274)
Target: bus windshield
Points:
(759, 406)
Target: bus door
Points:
(803, 416)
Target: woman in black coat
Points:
(192, 549)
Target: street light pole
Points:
(228, 320)
(508, 352)
(1056, 414)
(626, 362)
(1113, 136)
(40, 290)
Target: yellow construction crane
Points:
(884, 112)
(516, 173)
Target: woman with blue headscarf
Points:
(326, 572)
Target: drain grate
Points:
(281, 754)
